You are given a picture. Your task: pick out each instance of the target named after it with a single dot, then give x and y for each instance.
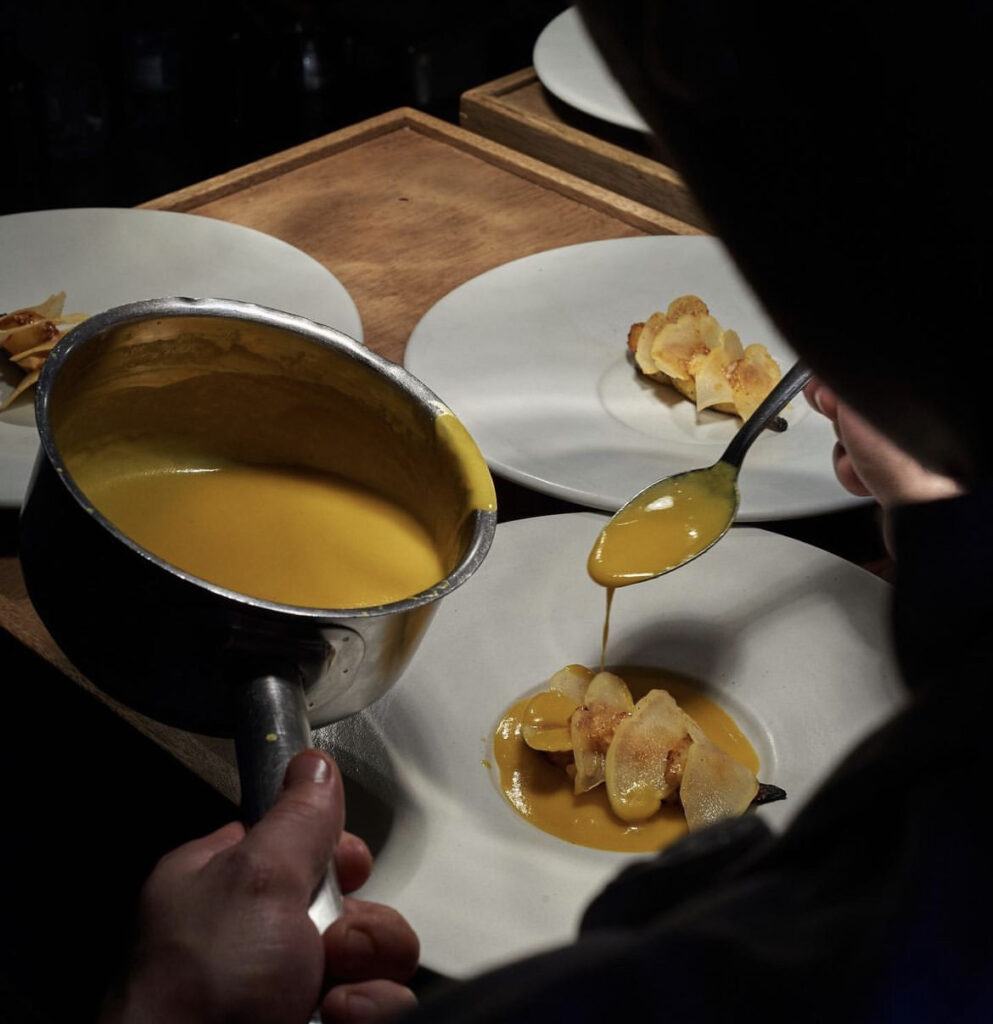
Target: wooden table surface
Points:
(402, 208)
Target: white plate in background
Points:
(532, 357)
(107, 257)
(568, 64)
(789, 639)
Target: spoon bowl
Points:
(674, 520)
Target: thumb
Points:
(297, 836)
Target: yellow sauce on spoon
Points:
(664, 526)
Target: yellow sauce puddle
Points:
(541, 792)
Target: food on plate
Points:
(686, 348)
(625, 763)
(27, 336)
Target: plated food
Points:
(586, 761)
(106, 257)
(549, 391)
(28, 334)
(786, 639)
(686, 348)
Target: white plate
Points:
(533, 357)
(106, 257)
(791, 640)
(568, 64)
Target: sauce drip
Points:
(664, 526)
(541, 792)
(606, 626)
(289, 535)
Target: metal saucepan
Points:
(259, 386)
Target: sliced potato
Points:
(689, 333)
(607, 703)
(572, 681)
(29, 334)
(714, 786)
(637, 763)
(752, 378)
(545, 723)
(687, 348)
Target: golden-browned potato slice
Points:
(50, 309)
(637, 768)
(714, 786)
(545, 722)
(33, 358)
(607, 702)
(752, 378)
(608, 688)
(689, 334)
(686, 348)
(572, 681)
(643, 344)
(29, 336)
(713, 382)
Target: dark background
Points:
(116, 102)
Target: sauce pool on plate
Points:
(541, 792)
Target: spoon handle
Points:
(791, 384)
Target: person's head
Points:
(838, 151)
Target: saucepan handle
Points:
(272, 727)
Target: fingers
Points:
(821, 397)
(290, 849)
(370, 951)
(353, 862)
(365, 1002)
(370, 941)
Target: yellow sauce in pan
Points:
(289, 535)
(541, 792)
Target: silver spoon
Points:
(679, 517)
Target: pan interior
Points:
(208, 398)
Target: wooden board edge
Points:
(632, 212)
(269, 167)
(635, 177)
(487, 108)
(500, 87)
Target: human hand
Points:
(224, 932)
(868, 464)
